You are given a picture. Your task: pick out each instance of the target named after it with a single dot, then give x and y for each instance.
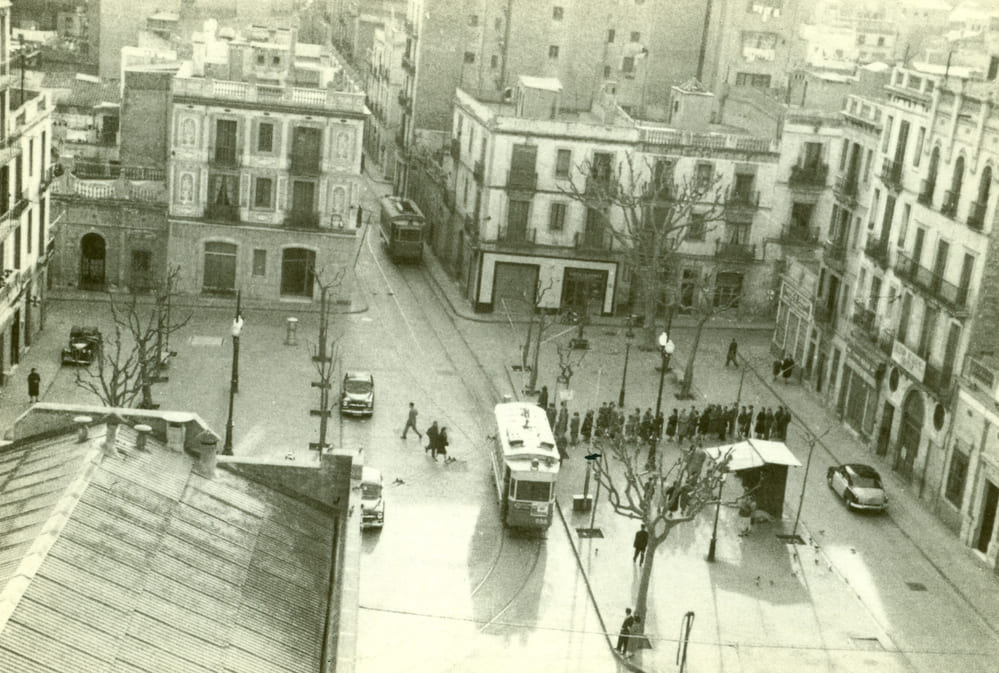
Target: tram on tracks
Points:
(525, 464)
(403, 229)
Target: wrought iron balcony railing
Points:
(810, 176)
(932, 283)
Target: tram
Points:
(402, 228)
(525, 464)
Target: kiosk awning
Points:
(751, 453)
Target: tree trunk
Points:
(644, 583)
(537, 353)
(649, 309)
(688, 372)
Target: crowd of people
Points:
(714, 421)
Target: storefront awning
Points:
(751, 453)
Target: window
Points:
(31, 157)
(610, 36)
(557, 13)
(494, 61)
(225, 141)
(904, 227)
(469, 57)
(220, 267)
(920, 139)
(263, 195)
(881, 41)
(752, 79)
(607, 71)
(306, 146)
(265, 138)
(297, 272)
(813, 155)
(628, 64)
(553, 51)
(728, 289)
(887, 137)
(636, 36)
(41, 229)
(563, 163)
(702, 176)
(861, 39)
(259, 262)
(260, 59)
(843, 153)
(696, 230)
(556, 220)
(867, 165)
(31, 230)
(498, 23)
(276, 60)
(473, 20)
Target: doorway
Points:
(909, 433)
(988, 517)
(92, 256)
(15, 338)
(884, 434)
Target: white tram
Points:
(525, 464)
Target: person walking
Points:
(622, 639)
(733, 350)
(788, 368)
(776, 369)
(587, 428)
(442, 444)
(562, 422)
(433, 439)
(34, 383)
(641, 542)
(574, 428)
(552, 415)
(543, 398)
(411, 422)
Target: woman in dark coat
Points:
(671, 425)
(543, 398)
(587, 428)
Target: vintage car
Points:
(357, 394)
(858, 485)
(84, 345)
(372, 501)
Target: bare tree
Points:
(709, 300)
(660, 496)
(643, 209)
(327, 281)
(325, 368)
(534, 303)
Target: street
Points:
(445, 588)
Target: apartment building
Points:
(25, 235)
(264, 173)
(516, 165)
(386, 98)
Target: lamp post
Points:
(666, 348)
(714, 529)
(235, 330)
(629, 335)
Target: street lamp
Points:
(629, 335)
(666, 348)
(714, 530)
(235, 330)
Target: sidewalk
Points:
(805, 598)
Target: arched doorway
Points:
(909, 433)
(93, 252)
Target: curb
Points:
(187, 301)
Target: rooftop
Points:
(139, 561)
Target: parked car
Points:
(84, 345)
(372, 502)
(357, 394)
(859, 485)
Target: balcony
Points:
(949, 205)
(741, 205)
(976, 216)
(953, 297)
(925, 196)
(225, 157)
(522, 180)
(846, 189)
(456, 148)
(408, 64)
(48, 175)
(600, 188)
(738, 252)
(877, 250)
(823, 315)
(301, 219)
(808, 177)
(346, 96)
(222, 213)
(304, 165)
(939, 381)
(516, 237)
(865, 319)
(835, 251)
(592, 239)
(891, 174)
(478, 171)
(796, 234)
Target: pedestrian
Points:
(574, 428)
(411, 422)
(442, 444)
(743, 423)
(683, 423)
(733, 349)
(34, 383)
(641, 542)
(747, 505)
(657, 427)
(622, 639)
(788, 366)
(433, 440)
(560, 443)
(543, 398)
(761, 424)
(671, 425)
(770, 429)
(601, 425)
(776, 369)
(645, 427)
(562, 422)
(552, 415)
(587, 429)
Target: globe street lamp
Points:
(235, 330)
(629, 335)
(666, 348)
(714, 530)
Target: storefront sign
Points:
(862, 364)
(795, 299)
(914, 365)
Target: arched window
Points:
(953, 195)
(976, 215)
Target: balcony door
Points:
(903, 139)
(516, 223)
(303, 203)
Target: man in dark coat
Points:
(788, 368)
(641, 542)
(733, 350)
(622, 639)
(543, 398)
(433, 440)
(34, 384)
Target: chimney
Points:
(208, 446)
(111, 438)
(82, 422)
(142, 435)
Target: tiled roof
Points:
(137, 563)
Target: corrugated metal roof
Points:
(157, 568)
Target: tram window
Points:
(407, 234)
(538, 491)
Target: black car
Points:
(357, 394)
(84, 345)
